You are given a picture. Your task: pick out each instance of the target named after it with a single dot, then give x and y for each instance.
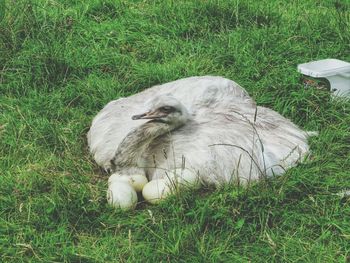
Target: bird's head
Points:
(165, 109)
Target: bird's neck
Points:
(132, 148)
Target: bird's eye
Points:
(166, 109)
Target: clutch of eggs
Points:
(122, 188)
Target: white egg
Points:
(156, 190)
(114, 177)
(137, 181)
(121, 195)
(183, 178)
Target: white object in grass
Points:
(337, 72)
(183, 178)
(156, 190)
(137, 181)
(121, 194)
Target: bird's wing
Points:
(226, 143)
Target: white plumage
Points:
(223, 136)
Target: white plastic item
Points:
(336, 71)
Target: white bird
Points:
(209, 125)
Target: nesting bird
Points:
(209, 125)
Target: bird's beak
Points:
(150, 115)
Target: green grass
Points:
(62, 61)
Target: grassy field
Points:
(62, 61)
